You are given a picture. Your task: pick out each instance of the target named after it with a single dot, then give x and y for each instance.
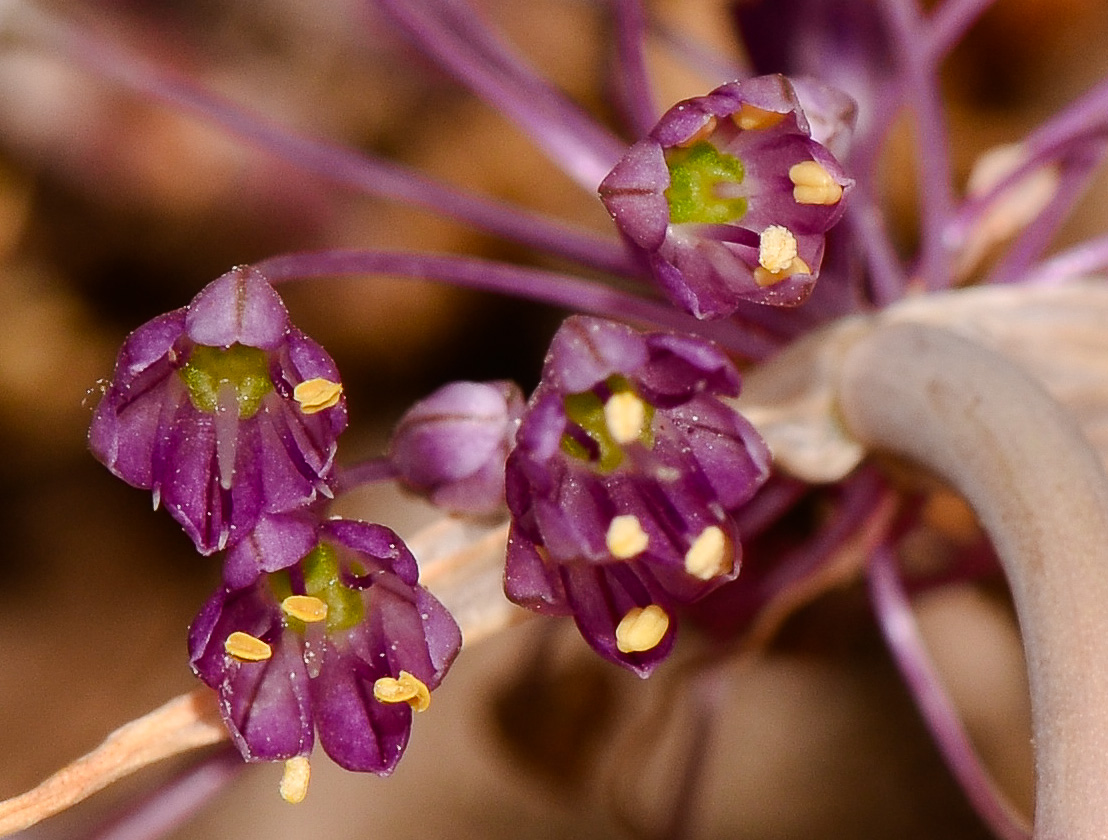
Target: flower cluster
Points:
(625, 477)
(729, 198)
(344, 642)
(223, 410)
(626, 467)
(230, 416)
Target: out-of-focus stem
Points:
(1039, 489)
(356, 170)
(185, 723)
(902, 634)
(633, 81)
(455, 37)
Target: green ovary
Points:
(245, 369)
(345, 607)
(586, 410)
(695, 176)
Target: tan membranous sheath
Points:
(979, 421)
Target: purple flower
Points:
(224, 410)
(344, 643)
(625, 467)
(451, 446)
(729, 198)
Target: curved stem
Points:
(1038, 487)
(564, 290)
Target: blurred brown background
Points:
(113, 210)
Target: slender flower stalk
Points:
(898, 625)
(563, 290)
(451, 33)
(1088, 258)
(633, 79)
(1076, 170)
(933, 171)
(357, 170)
(949, 21)
(1070, 129)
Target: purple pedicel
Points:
(201, 410)
(729, 197)
(625, 468)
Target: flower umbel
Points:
(224, 410)
(729, 198)
(345, 643)
(626, 465)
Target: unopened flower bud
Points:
(451, 446)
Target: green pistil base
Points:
(246, 369)
(586, 410)
(345, 607)
(695, 174)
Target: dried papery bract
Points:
(1041, 493)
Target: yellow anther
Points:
(625, 537)
(641, 629)
(246, 647)
(812, 184)
(305, 607)
(702, 133)
(294, 783)
(314, 395)
(776, 249)
(405, 689)
(710, 554)
(625, 416)
(768, 278)
(750, 117)
(777, 259)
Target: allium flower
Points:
(344, 643)
(451, 446)
(625, 467)
(729, 198)
(224, 410)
